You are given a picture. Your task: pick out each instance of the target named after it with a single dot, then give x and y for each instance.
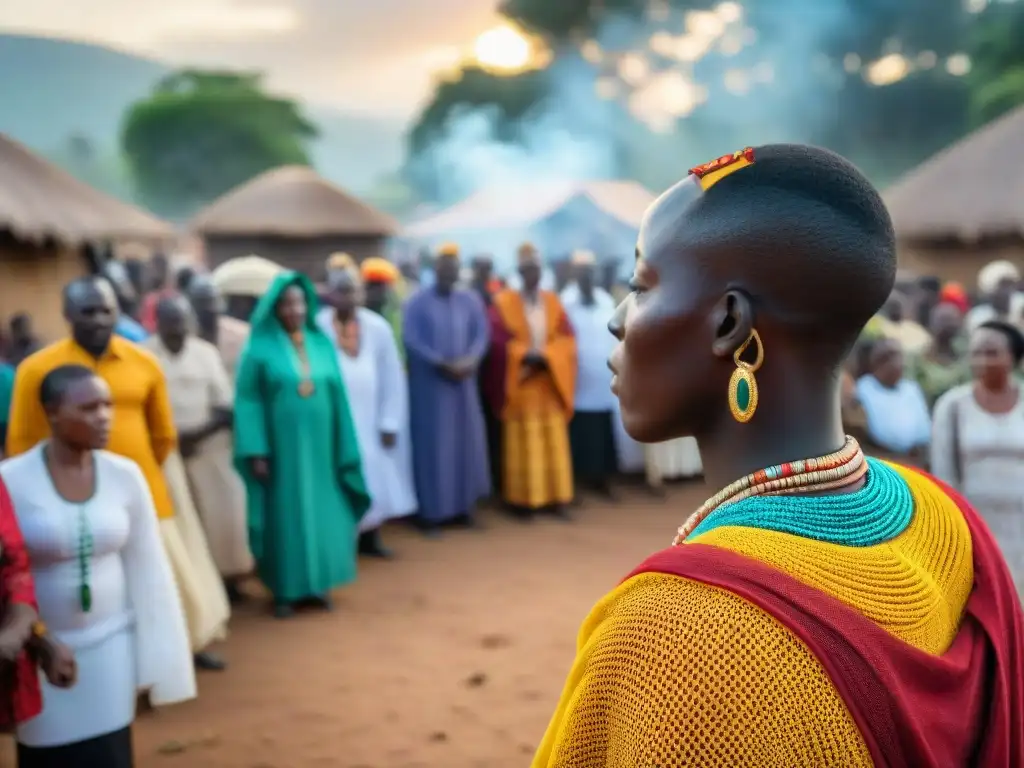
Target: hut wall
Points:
(961, 263)
(306, 255)
(32, 280)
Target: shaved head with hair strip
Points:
(790, 241)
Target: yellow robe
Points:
(143, 428)
(537, 463)
(671, 672)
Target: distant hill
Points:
(53, 90)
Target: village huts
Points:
(559, 217)
(294, 217)
(50, 226)
(965, 206)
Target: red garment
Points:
(20, 695)
(147, 310)
(914, 710)
(495, 365)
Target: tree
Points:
(819, 93)
(200, 134)
(997, 57)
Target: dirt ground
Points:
(451, 656)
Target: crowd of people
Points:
(165, 452)
(934, 380)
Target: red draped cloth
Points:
(20, 695)
(914, 710)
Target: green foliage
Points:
(513, 96)
(887, 130)
(199, 134)
(997, 56)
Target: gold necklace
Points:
(845, 466)
(300, 361)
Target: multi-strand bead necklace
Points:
(836, 470)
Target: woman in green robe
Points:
(296, 450)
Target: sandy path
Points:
(452, 656)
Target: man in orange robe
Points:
(535, 350)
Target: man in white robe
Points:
(377, 391)
(592, 429)
(201, 474)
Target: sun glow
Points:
(503, 49)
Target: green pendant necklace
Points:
(85, 541)
(84, 558)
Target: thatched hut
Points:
(47, 221)
(965, 206)
(293, 217)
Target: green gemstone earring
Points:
(742, 384)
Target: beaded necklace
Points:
(836, 470)
(84, 549)
(874, 513)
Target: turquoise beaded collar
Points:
(877, 512)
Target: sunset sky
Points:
(374, 56)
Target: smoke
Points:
(647, 98)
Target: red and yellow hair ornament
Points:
(378, 270)
(711, 173)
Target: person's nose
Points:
(617, 325)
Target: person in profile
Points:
(822, 608)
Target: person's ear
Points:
(733, 321)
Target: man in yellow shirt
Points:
(143, 428)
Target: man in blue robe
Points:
(445, 330)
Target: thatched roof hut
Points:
(294, 217)
(965, 206)
(47, 217)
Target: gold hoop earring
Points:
(742, 384)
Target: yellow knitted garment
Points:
(671, 672)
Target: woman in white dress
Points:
(103, 581)
(978, 438)
(377, 393)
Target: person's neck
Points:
(345, 315)
(942, 347)
(209, 329)
(803, 423)
(94, 352)
(60, 454)
(999, 388)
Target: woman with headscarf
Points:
(297, 451)
(822, 608)
(978, 437)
